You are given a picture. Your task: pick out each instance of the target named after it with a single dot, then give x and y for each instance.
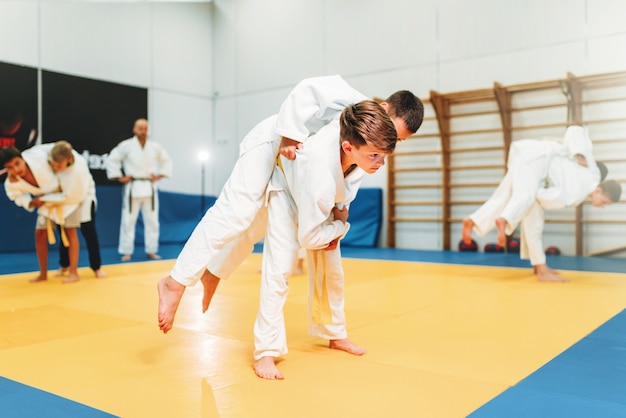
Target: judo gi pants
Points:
(150, 218)
(513, 197)
(226, 234)
(280, 253)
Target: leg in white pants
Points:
(236, 251)
(150, 216)
(531, 240)
(127, 225)
(327, 317)
(280, 251)
(484, 217)
(231, 216)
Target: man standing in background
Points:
(138, 164)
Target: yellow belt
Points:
(320, 311)
(279, 163)
(51, 237)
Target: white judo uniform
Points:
(141, 194)
(527, 172)
(228, 231)
(569, 185)
(64, 192)
(22, 192)
(77, 186)
(301, 197)
(541, 174)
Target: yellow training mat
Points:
(442, 340)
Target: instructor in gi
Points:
(138, 164)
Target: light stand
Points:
(203, 156)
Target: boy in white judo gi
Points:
(139, 163)
(307, 206)
(226, 234)
(31, 183)
(569, 167)
(558, 197)
(67, 162)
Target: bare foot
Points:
(551, 277)
(265, 368)
(209, 283)
(348, 346)
(468, 225)
(99, 273)
(546, 274)
(170, 294)
(555, 272)
(154, 256)
(72, 278)
(126, 257)
(40, 278)
(501, 225)
(62, 271)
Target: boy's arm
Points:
(315, 200)
(578, 145)
(18, 195)
(312, 104)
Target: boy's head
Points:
(61, 156)
(406, 112)
(367, 134)
(607, 192)
(11, 159)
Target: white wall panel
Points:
(477, 28)
(226, 141)
(181, 42)
(225, 48)
(107, 41)
(19, 32)
(419, 81)
(279, 42)
(607, 55)
(182, 124)
(514, 67)
(606, 17)
(372, 36)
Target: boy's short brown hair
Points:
(367, 122)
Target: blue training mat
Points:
(18, 401)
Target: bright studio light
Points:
(203, 156)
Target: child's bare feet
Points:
(501, 225)
(265, 368)
(72, 278)
(546, 274)
(209, 284)
(62, 271)
(39, 278)
(170, 294)
(348, 346)
(99, 273)
(555, 272)
(468, 225)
